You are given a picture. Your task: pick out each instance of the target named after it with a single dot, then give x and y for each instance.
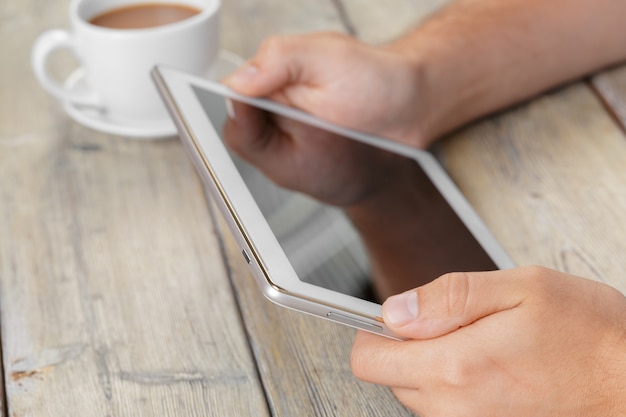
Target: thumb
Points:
(452, 301)
(279, 62)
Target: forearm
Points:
(477, 56)
(611, 370)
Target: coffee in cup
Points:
(142, 16)
(118, 42)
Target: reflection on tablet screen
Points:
(320, 241)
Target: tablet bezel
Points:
(268, 262)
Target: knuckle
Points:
(274, 45)
(538, 279)
(358, 362)
(457, 290)
(341, 43)
(535, 272)
(339, 37)
(457, 373)
(410, 398)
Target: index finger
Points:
(422, 365)
(248, 130)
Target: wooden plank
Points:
(378, 22)
(16, 22)
(115, 299)
(247, 23)
(611, 86)
(112, 296)
(21, 95)
(549, 179)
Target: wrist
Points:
(617, 357)
(477, 57)
(427, 106)
(453, 78)
(607, 387)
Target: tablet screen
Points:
(323, 245)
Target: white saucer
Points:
(160, 129)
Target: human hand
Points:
(522, 342)
(375, 89)
(330, 168)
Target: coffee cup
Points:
(117, 55)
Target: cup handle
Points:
(45, 44)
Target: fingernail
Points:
(243, 75)
(230, 110)
(401, 309)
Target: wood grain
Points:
(548, 178)
(246, 23)
(379, 22)
(115, 299)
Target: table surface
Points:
(121, 293)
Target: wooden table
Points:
(121, 294)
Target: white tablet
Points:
(304, 254)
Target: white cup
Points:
(117, 62)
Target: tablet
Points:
(305, 254)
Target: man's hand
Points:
(333, 169)
(522, 342)
(374, 89)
